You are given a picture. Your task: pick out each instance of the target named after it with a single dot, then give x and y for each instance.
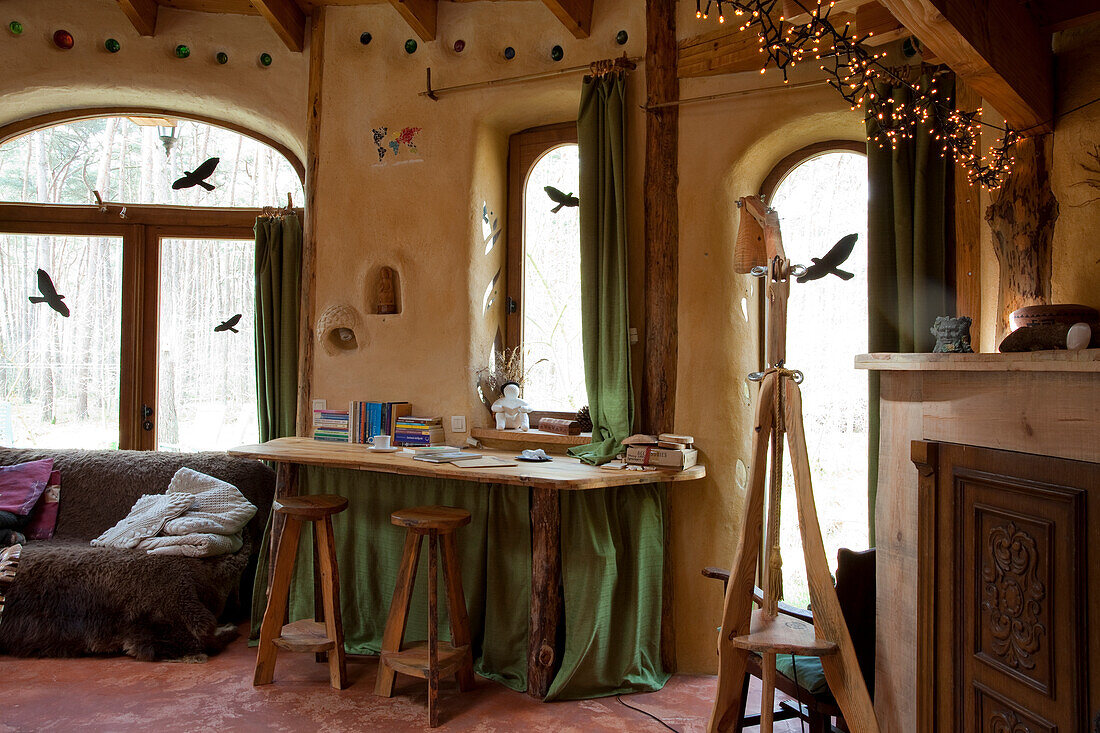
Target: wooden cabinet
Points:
(1005, 590)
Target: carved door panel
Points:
(1013, 558)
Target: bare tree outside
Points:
(60, 377)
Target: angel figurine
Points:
(511, 411)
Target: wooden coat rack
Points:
(778, 414)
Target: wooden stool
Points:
(306, 635)
(428, 660)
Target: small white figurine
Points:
(510, 410)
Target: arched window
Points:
(129, 357)
(544, 269)
(821, 195)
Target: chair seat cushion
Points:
(806, 672)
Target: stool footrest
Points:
(305, 635)
(413, 659)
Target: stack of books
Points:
(418, 431)
(332, 426)
(375, 418)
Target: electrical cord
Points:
(647, 714)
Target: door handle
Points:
(146, 413)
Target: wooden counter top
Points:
(1087, 360)
(562, 474)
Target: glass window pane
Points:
(819, 202)
(126, 162)
(552, 286)
(59, 377)
(206, 379)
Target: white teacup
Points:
(380, 441)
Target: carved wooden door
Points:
(1005, 575)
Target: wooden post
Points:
(1022, 217)
(309, 234)
(968, 232)
(286, 484)
(661, 252)
(546, 599)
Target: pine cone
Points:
(585, 419)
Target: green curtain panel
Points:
(908, 243)
(612, 544)
(604, 320)
(278, 295)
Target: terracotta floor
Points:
(122, 694)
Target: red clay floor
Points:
(123, 694)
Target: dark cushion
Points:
(806, 672)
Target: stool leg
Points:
(456, 605)
(433, 632)
(318, 595)
(330, 591)
(275, 613)
(399, 612)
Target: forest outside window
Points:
(544, 285)
(137, 362)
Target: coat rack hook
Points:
(428, 92)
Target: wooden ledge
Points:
(1087, 360)
(536, 437)
(413, 659)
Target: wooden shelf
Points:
(305, 635)
(1086, 360)
(413, 659)
(783, 635)
(537, 437)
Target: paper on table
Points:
(485, 462)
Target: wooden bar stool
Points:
(306, 635)
(431, 659)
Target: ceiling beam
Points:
(1057, 15)
(722, 51)
(576, 15)
(876, 21)
(142, 13)
(420, 15)
(995, 47)
(287, 19)
(795, 13)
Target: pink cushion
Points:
(22, 484)
(44, 515)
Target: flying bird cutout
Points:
(561, 199)
(831, 262)
(229, 324)
(49, 294)
(198, 176)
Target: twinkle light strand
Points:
(860, 74)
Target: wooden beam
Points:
(876, 21)
(306, 340)
(420, 15)
(142, 13)
(1057, 15)
(287, 19)
(662, 245)
(722, 51)
(794, 13)
(993, 46)
(576, 15)
(967, 214)
(1022, 217)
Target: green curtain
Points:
(278, 295)
(604, 318)
(612, 574)
(908, 241)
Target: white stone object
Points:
(1079, 336)
(511, 411)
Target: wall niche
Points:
(384, 291)
(340, 330)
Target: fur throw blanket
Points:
(199, 516)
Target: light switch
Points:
(458, 423)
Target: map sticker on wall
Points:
(397, 147)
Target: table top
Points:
(564, 473)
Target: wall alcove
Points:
(383, 292)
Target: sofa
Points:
(70, 599)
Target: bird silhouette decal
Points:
(198, 176)
(831, 262)
(49, 294)
(561, 199)
(229, 324)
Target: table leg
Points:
(546, 597)
(286, 484)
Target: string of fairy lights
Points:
(861, 74)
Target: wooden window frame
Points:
(525, 149)
(141, 232)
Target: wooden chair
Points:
(855, 590)
(429, 659)
(325, 636)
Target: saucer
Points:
(391, 449)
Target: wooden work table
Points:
(543, 480)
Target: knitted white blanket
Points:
(146, 519)
(193, 545)
(218, 507)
